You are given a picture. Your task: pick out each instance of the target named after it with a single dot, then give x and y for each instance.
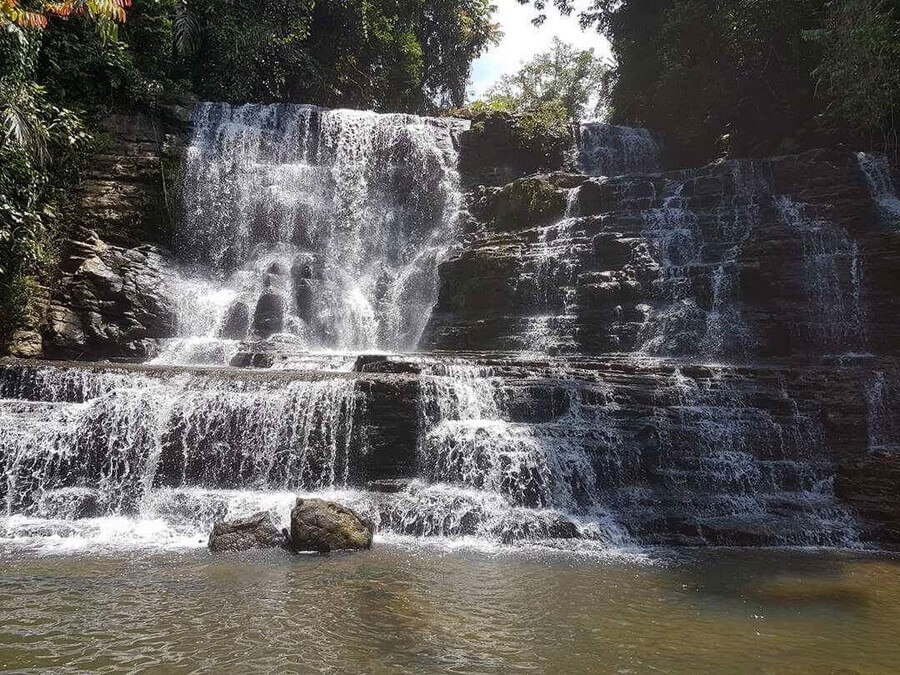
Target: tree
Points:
(859, 74)
(563, 73)
(400, 55)
(751, 77)
(105, 13)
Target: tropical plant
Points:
(39, 146)
(105, 13)
(406, 55)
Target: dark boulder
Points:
(302, 268)
(389, 485)
(237, 322)
(70, 504)
(318, 525)
(269, 316)
(304, 296)
(110, 301)
(257, 531)
(612, 250)
(278, 269)
(502, 146)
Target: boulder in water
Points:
(257, 531)
(237, 322)
(72, 503)
(304, 296)
(303, 268)
(322, 526)
(269, 316)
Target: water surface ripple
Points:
(412, 610)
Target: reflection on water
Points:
(407, 609)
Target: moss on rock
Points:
(527, 202)
(501, 146)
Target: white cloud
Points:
(522, 40)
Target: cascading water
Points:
(833, 278)
(689, 246)
(882, 402)
(326, 226)
(109, 444)
(877, 171)
(554, 283)
(609, 150)
(321, 228)
(742, 473)
(317, 234)
(496, 478)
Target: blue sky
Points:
(522, 40)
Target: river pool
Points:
(407, 608)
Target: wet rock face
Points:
(741, 259)
(260, 530)
(111, 302)
(321, 526)
(236, 325)
(268, 318)
(108, 300)
(500, 147)
(536, 200)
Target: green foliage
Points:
(247, 50)
(39, 143)
(564, 74)
(409, 55)
(752, 77)
(545, 124)
(533, 139)
(527, 200)
(17, 293)
(859, 73)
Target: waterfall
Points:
(877, 172)
(494, 478)
(326, 226)
(106, 443)
(310, 238)
(882, 402)
(719, 468)
(743, 473)
(554, 280)
(687, 245)
(608, 150)
(836, 317)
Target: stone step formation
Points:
(589, 359)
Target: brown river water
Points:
(403, 608)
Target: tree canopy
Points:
(411, 55)
(565, 74)
(751, 77)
